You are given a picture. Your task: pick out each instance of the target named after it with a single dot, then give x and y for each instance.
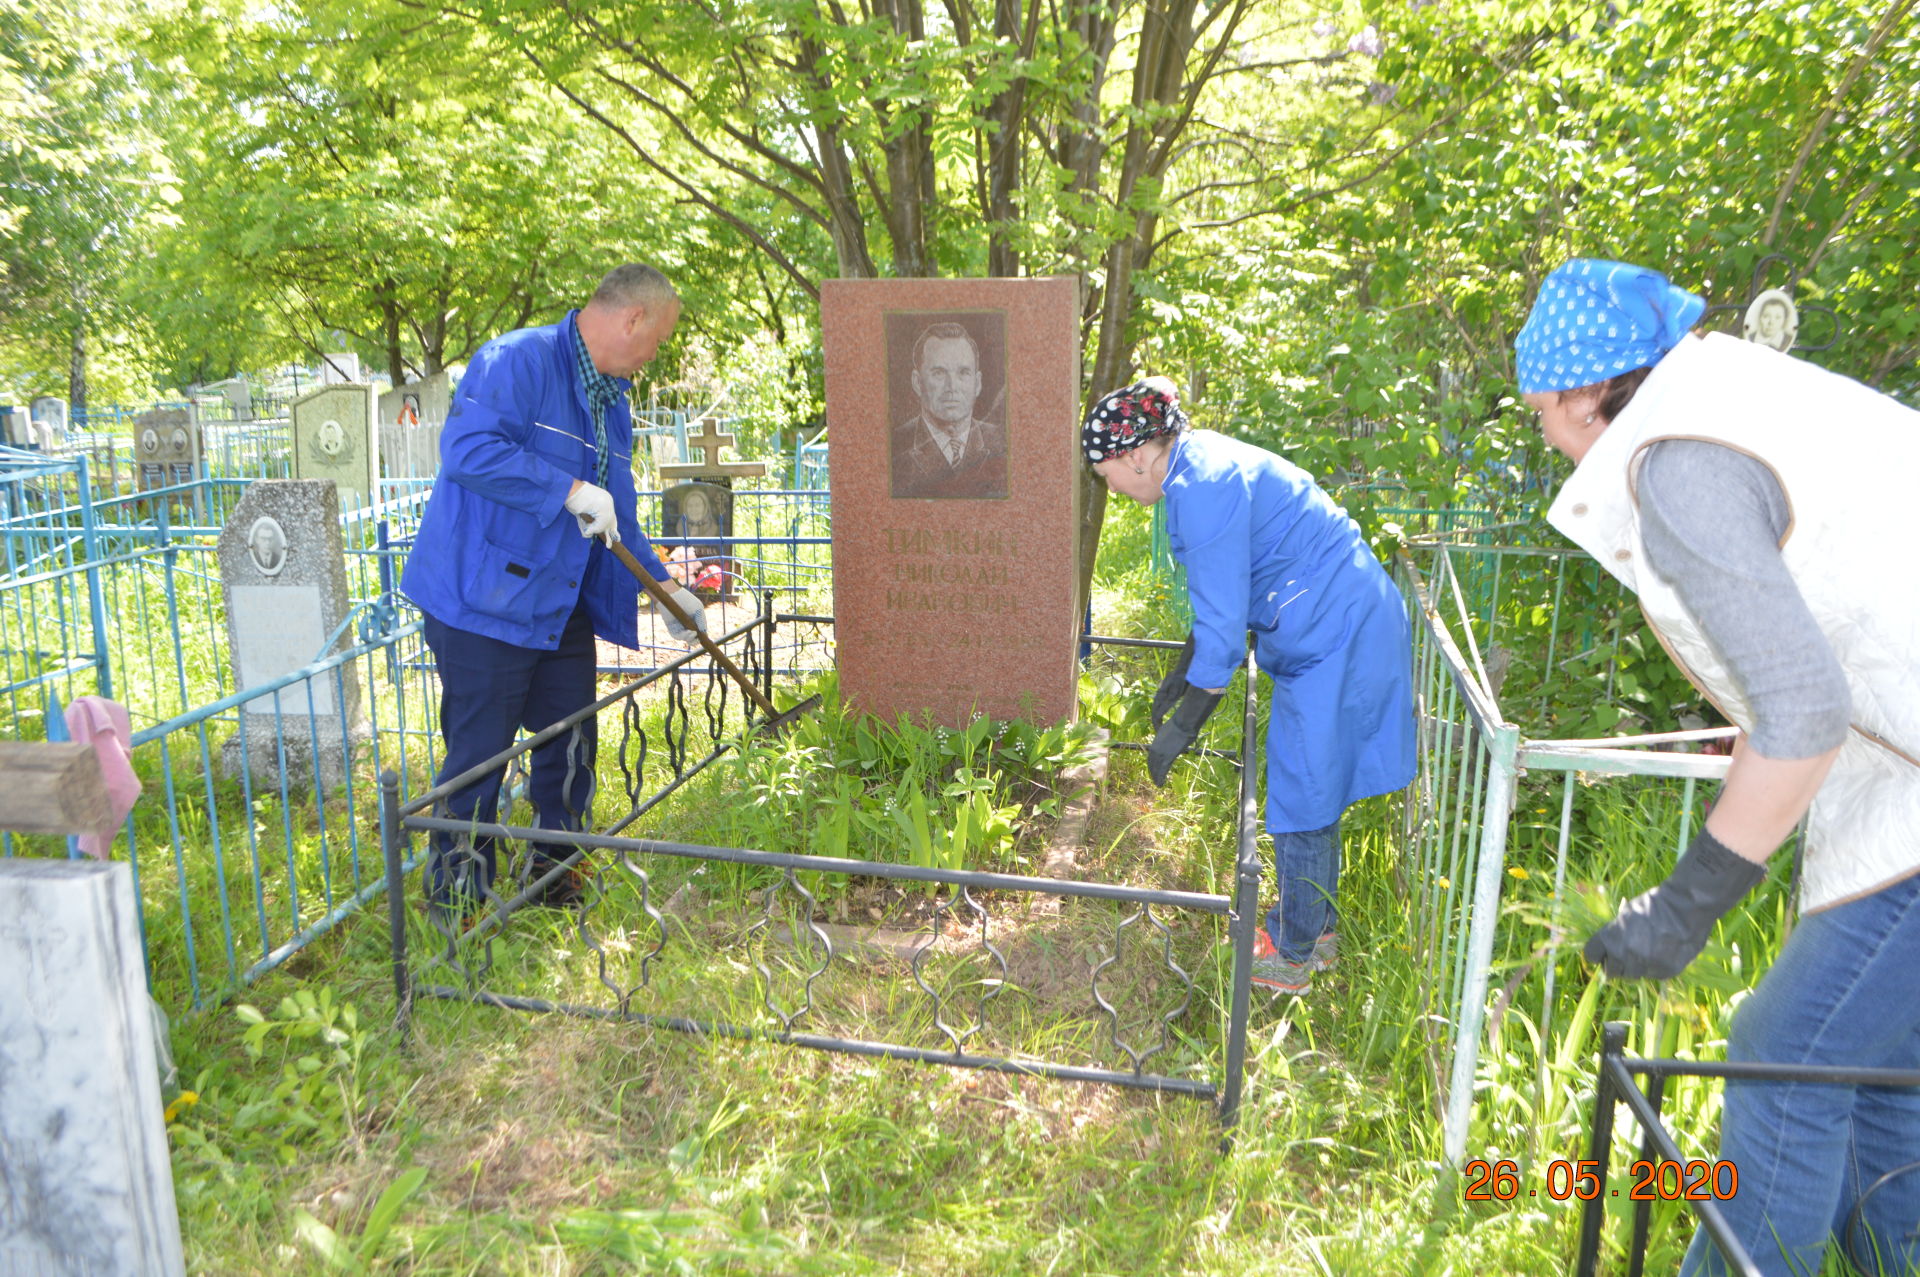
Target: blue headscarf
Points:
(1596, 319)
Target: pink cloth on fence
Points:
(105, 724)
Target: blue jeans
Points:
(1308, 865)
(1845, 990)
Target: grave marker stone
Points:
(168, 447)
(701, 513)
(339, 369)
(954, 411)
(50, 422)
(16, 427)
(240, 395)
(284, 570)
(334, 438)
(86, 1184)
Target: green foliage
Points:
(319, 1092)
(839, 783)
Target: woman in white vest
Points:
(1761, 509)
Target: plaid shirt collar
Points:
(602, 390)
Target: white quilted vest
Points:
(1848, 459)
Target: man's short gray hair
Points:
(635, 284)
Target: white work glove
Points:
(696, 612)
(593, 508)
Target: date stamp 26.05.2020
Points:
(1650, 1181)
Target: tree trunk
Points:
(77, 373)
(390, 334)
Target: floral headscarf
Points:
(1124, 419)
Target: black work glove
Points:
(1168, 693)
(1657, 934)
(1181, 727)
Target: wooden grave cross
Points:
(710, 441)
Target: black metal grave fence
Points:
(674, 723)
(1703, 1190)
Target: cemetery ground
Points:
(308, 1137)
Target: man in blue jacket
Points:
(514, 594)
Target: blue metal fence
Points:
(249, 843)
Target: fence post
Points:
(96, 606)
(1613, 1044)
(390, 850)
(1246, 906)
(766, 647)
(1503, 749)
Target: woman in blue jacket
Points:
(1266, 550)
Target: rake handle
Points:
(665, 600)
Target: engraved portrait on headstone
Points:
(267, 545)
(1772, 320)
(333, 438)
(947, 390)
(950, 607)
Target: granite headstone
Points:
(334, 438)
(86, 1184)
(283, 567)
(695, 520)
(954, 412)
(168, 447)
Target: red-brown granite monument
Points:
(953, 413)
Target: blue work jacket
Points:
(497, 553)
(1267, 551)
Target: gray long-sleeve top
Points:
(1711, 520)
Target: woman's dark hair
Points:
(1615, 392)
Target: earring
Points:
(1589, 420)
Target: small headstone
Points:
(283, 566)
(167, 447)
(333, 438)
(16, 427)
(50, 422)
(700, 514)
(410, 419)
(339, 369)
(240, 397)
(86, 1184)
(954, 407)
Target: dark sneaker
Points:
(564, 892)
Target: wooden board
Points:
(51, 789)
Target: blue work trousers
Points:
(1846, 991)
(490, 690)
(1308, 864)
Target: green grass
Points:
(496, 1142)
